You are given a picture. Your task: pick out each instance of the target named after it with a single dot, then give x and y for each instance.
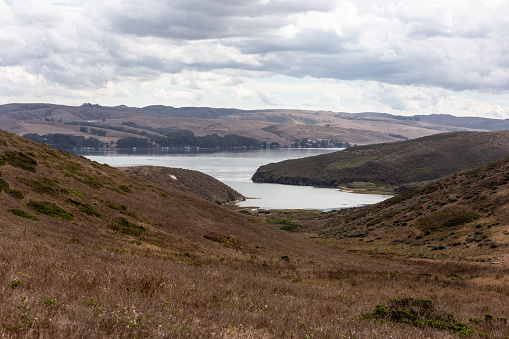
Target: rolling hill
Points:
(88, 251)
(283, 126)
(192, 182)
(464, 215)
(391, 167)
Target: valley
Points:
(88, 250)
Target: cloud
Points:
(409, 98)
(203, 19)
(169, 97)
(327, 101)
(271, 99)
(426, 48)
(241, 94)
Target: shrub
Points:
(4, 185)
(448, 218)
(113, 207)
(19, 160)
(15, 194)
(419, 313)
(67, 190)
(123, 225)
(125, 188)
(50, 209)
(90, 180)
(23, 214)
(84, 208)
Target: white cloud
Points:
(418, 54)
(241, 94)
(406, 98)
(169, 97)
(271, 99)
(327, 101)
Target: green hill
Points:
(394, 166)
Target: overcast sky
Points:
(401, 57)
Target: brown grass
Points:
(200, 270)
(52, 286)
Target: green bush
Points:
(4, 185)
(125, 188)
(15, 194)
(113, 207)
(84, 208)
(67, 190)
(19, 160)
(23, 214)
(50, 209)
(123, 225)
(419, 313)
(448, 218)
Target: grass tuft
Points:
(123, 225)
(448, 218)
(23, 214)
(84, 208)
(50, 209)
(419, 313)
(19, 160)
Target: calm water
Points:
(236, 169)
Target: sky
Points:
(399, 57)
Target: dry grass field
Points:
(54, 287)
(87, 251)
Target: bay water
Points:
(235, 168)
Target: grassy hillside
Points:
(87, 251)
(281, 126)
(192, 182)
(462, 216)
(387, 167)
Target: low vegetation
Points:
(125, 226)
(19, 159)
(48, 208)
(419, 313)
(84, 208)
(23, 214)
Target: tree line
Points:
(65, 141)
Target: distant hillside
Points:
(466, 122)
(283, 126)
(463, 215)
(192, 182)
(391, 166)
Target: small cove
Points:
(236, 168)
